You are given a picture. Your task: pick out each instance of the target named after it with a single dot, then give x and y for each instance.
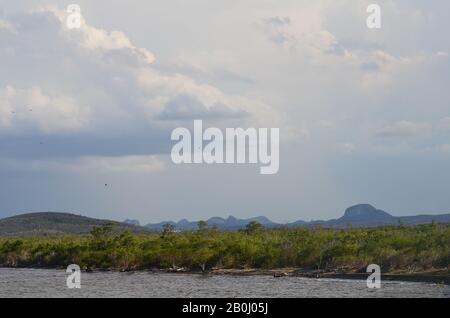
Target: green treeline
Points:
(394, 248)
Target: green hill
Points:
(57, 223)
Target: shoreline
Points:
(429, 277)
(436, 277)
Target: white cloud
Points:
(96, 39)
(32, 108)
(302, 33)
(96, 81)
(309, 36)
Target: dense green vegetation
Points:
(407, 248)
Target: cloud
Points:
(346, 147)
(403, 129)
(98, 40)
(186, 107)
(369, 63)
(370, 66)
(215, 65)
(7, 26)
(445, 148)
(95, 86)
(31, 108)
(277, 30)
(412, 137)
(296, 35)
(444, 123)
(121, 164)
(90, 164)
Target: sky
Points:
(86, 114)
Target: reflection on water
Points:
(52, 283)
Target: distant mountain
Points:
(420, 219)
(222, 224)
(57, 223)
(132, 222)
(361, 215)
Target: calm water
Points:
(52, 283)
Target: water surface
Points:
(52, 283)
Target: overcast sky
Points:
(364, 114)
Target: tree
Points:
(102, 231)
(167, 229)
(202, 256)
(202, 226)
(253, 227)
(101, 235)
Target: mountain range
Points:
(361, 215)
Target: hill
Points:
(57, 223)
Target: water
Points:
(52, 283)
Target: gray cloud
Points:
(336, 49)
(370, 66)
(404, 129)
(275, 28)
(90, 92)
(187, 107)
